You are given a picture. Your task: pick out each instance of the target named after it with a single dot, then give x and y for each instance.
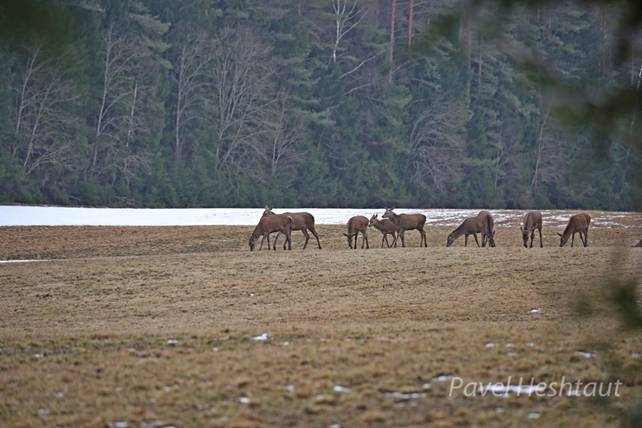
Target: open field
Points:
(154, 325)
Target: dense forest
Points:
(232, 103)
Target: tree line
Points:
(335, 103)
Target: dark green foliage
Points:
(268, 116)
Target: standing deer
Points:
(269, 224)
(579, 223)
(532, 221)
(357, 224)
(482, 223)
(386, 227)
(408, 222)
(303, 221)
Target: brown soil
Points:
(84, 340)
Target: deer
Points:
(532, 221)
(386, 227)
(303, 221)
(269, 224)
(579, 223)
(357, 224)
(482, 223)
(408, 222)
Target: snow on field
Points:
(66, 216)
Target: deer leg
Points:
(365, 236)
(423, 232)
(403, 239)
(475, 236)
(586, 238)
(382, 238)
(465, 240)
(394, 241)
(532, 237)
(573, 239)
(307, 237)
(261, 246)
(540, 237)
(316, 235)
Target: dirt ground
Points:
(154, 326)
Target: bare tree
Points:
(241, 72)
(437, 145)
(117, 88)
(42, 125)
(190, 74)
(347, 16)
(283, 131)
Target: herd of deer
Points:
(396, 225)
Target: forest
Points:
(317, 103)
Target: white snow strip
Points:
(404, 395)
(15, 215)
(261, 337)
(22, 261)
(499, 388)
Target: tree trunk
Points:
(391, 49)
(411, 12)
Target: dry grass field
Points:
(155, 326)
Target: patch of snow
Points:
(245, 400)
(172, 342)
(530, 344)
(534, 415)
(290, 388)
(215, 349)
(11, 215)
(341, 389)
(404, 395)
(335, 426)
(585, 354)
(442, 378)
(39, 356)
(23, 261)
(43, 412)
(261, 337)
(119, 424)
(490, 345)
(286, 343)
(535, 311)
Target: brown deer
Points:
(386, 227)
(482, 223)
(303, 221)
(579, 223)
(408, 222)
(269, 224)
(532, 221)
(357, 224)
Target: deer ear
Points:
(521, 228)
(345, 234)
(560, 234)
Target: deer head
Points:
(451, 238)
(491, 239)
(349, 238)
(267, 211)
(389, 213)
(563, 239)
(524, 236)
(373, 220)
(252, 242)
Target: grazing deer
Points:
(269, 224)
(357, 224)
(532, 221)
(579, 223)
(303, 221)
(482, 223)
(408, 222)
(386, 227)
